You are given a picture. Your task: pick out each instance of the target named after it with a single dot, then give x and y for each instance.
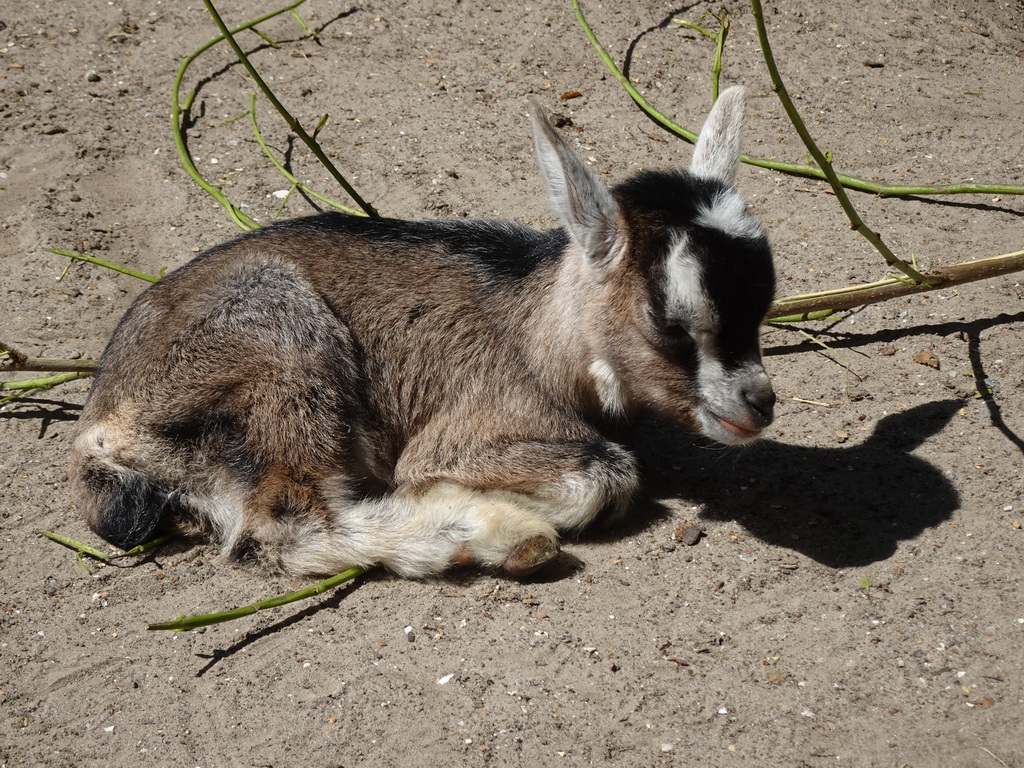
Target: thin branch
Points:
(716, 68)
(819, 157)
(53, 365)
(719, 40)
(793, 169)
(240, 218)
(687, 134)
(84, 550)
(12, 359)
(292, 122)
(818, 305)
(183, 623)
(284, 171)
(43, 383)
(101, 263)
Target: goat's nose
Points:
(761, 397)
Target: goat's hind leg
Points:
(501, 510)
(273, 406)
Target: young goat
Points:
(336, 391)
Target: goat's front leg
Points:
(566, 484)
(525, 491)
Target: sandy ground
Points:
(856, 600)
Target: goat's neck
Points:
(563, 319)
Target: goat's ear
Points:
(717, 155)
(584, 204)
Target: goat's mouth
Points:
(746, 433)
(739, 429)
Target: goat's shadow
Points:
(844, 506)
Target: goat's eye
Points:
(678, 337)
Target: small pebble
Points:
(93, 76)
(688, 534)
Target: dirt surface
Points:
(856, 597)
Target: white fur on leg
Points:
(416, 535)
(578, 497)
(501, 520)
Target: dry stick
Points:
(815, 306)
(794, 169)
(13, 360)
(823, 162)
(293, 123)
(183, 623)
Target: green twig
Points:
(284, 171)
(689, 135)
(718, 40)
(302, 24)
(84, 550)
(802, 317)
(292, 122)
(284, 200)
(819, 157)
(53, 364)
(793, 169)
(43, 383)
(177, 107)
(79, 547)
(266, 38)
(101, 263)
(183, 623)
(81, 550)
(716, 69)
(141, 549)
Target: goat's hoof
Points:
(462, 555)
(531, 554)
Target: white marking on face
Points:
(720, 389)
(727, 213)
(609, 388)
(684, 290)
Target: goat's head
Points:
(686, 276)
